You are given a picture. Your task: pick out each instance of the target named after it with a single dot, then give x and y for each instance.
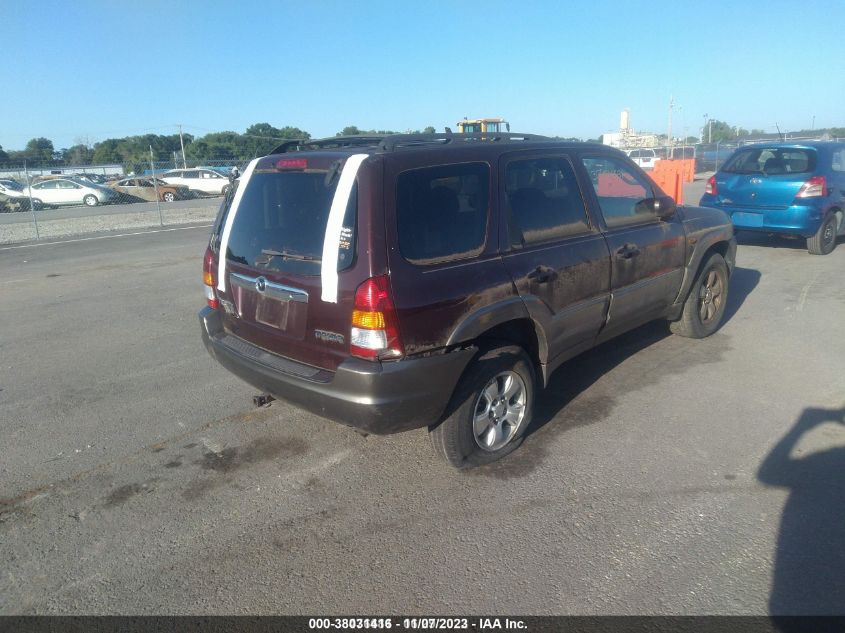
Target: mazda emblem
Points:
(261, 284)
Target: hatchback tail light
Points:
(711, 187)
(815, 187)
(375, 324)
(209, 278)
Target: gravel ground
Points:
(111, 221)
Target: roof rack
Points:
(393, 142)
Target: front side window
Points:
(624, 195)
(441, 212)
(543, 200)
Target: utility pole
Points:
(705, 125)
(669, 129)
(182, 144)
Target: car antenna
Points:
(779, 132)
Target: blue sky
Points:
(90, 70)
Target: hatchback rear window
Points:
(771, 161)
(281, 223)
(441, 212)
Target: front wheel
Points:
(37, 204)
(168, 196)
(706, 301)
(490, 410)
(824, 241)
(91, 200)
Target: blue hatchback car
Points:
(792, 189)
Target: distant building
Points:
(627, 137)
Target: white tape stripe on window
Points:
(331, 242)
(227, 229)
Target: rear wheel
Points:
(168, 196)
(706, 301)
(490, 410)
(91, 200)
(37, 204)
(824, 241)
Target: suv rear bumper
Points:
(375, 397)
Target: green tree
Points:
(429, 130)
(716, 131)
(39, 149)
(79, 154)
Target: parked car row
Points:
(94, 189)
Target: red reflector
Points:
(292, 163)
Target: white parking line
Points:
(105, 237)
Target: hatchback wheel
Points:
(91, 200)
(824, 241)
(706, 301)
(490, 410)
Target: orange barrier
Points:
(670, 180)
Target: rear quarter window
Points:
(441, 212)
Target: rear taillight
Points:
(209, 278)
(815, 187)
(375, 324)
(711, 187)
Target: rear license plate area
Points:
(747, 219)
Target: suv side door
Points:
(647, 252)
(556, 256)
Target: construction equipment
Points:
(483, 126)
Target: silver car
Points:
(58, 191)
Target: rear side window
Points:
(838, 163)
(544, 201)
(771, 161)
(441, 212)
(281, 223)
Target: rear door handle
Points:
(628, 251)
(542, 274)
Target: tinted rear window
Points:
(441, 212)
(281, 223)
(771, 161)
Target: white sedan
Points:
(59, 191)
(199, 180)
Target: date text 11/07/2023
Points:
(418, 624)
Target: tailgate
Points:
(274, 263)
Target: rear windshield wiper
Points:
(290, 255)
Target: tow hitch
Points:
(262, 399)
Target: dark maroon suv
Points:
(438, 280)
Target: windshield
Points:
(771, 161)
(281, 223)
(10, 184)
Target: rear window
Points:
(441, 212)
(771, 161)
(281, 223)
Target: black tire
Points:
(454, 439)
(705, 305)
(37, 204)
(824, 241)
(168, 196)
(90, 200)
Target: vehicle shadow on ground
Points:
(573, 398)
(809, 569)
(753, 238)
(578, 374)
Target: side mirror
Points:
(664, 207)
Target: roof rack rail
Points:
(393, 142)
(332, 142)
(399, 141)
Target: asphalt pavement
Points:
(663, 475)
